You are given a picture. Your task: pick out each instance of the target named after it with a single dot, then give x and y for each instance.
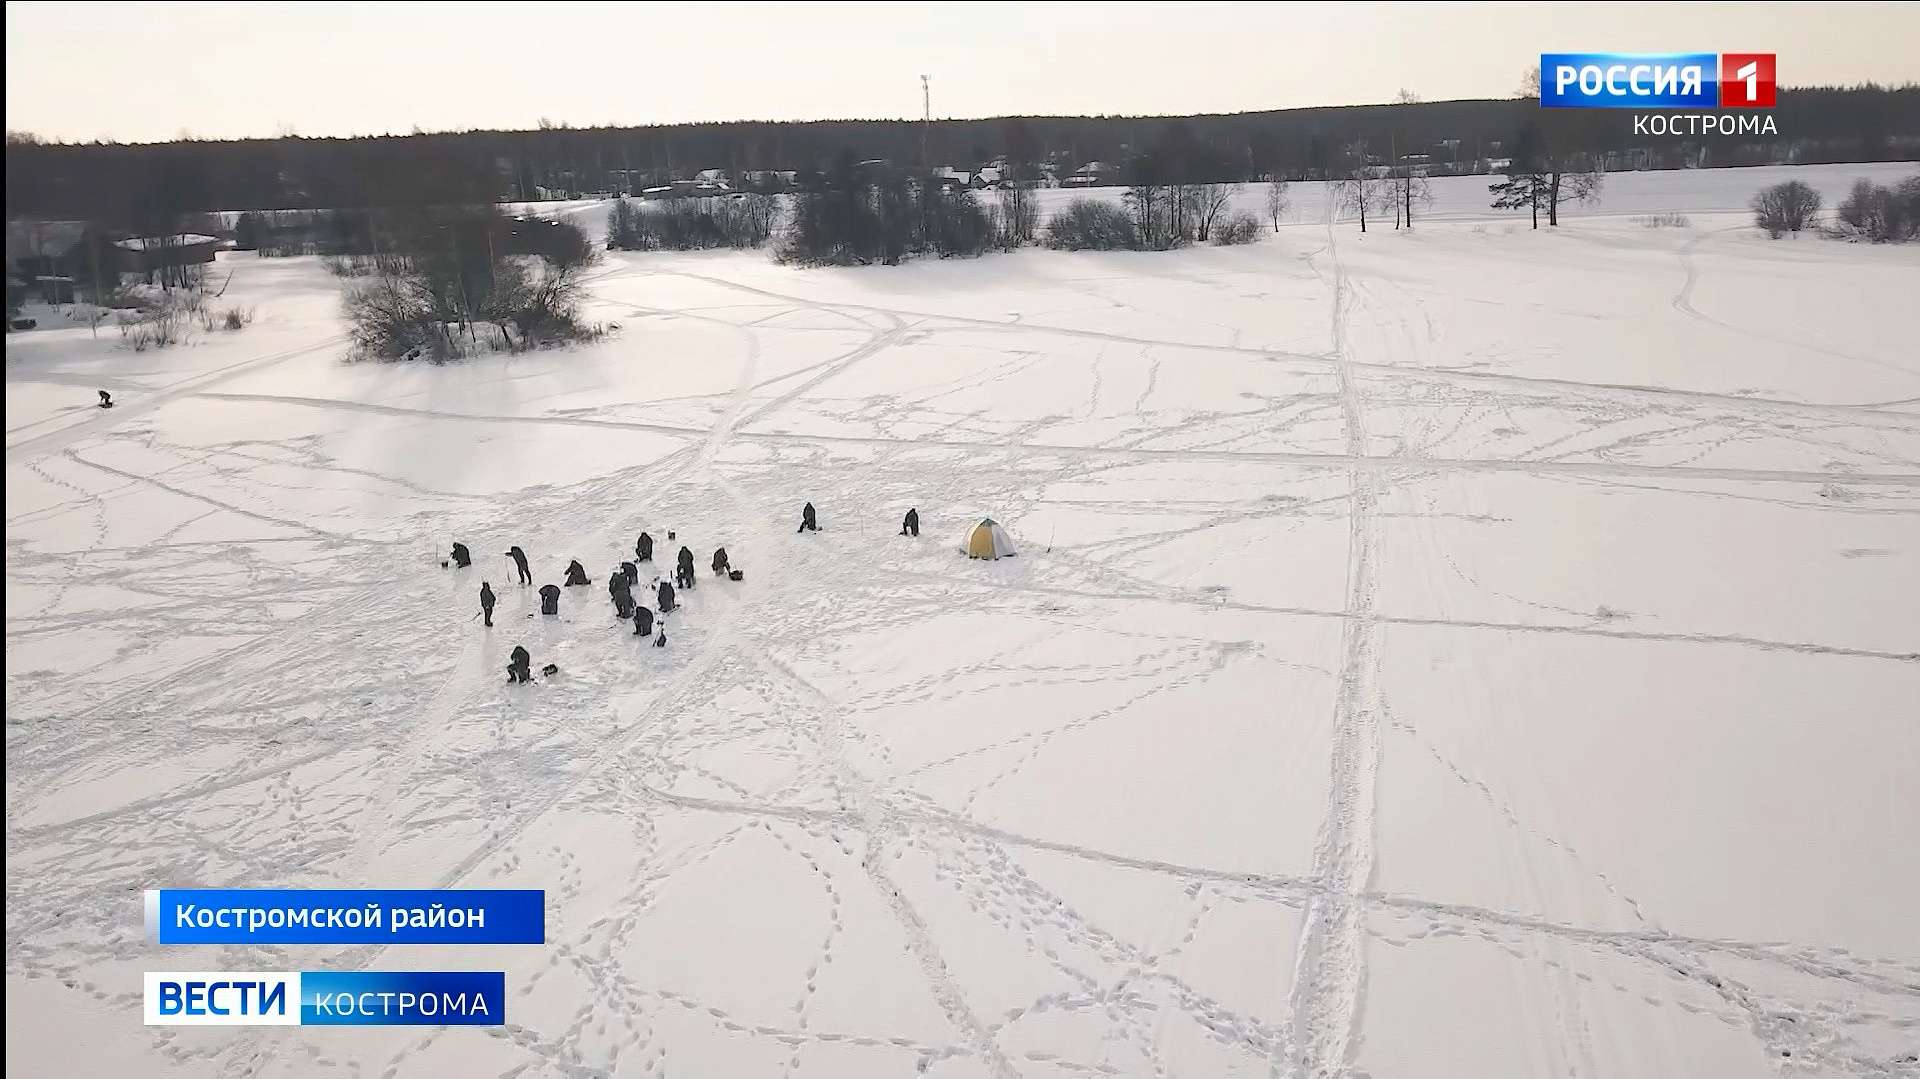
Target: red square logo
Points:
(1746, 80)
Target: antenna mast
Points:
(926, 117)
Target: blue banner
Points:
(346, 916)
(373, 998)
(359, 998)
(1625, 80)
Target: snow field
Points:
(1467, 652)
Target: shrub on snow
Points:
(1882, 214)
(1785, 208)
(1240, 228)
(1087, 224)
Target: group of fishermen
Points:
(621, 584)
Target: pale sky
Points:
(154, 70)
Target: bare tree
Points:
(1276, 201)
(1019, 212)
(1572, 178)
(1205, 202)
(1414, 188)
(1358, 190)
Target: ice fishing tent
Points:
(989, 540)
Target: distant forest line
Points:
(137, 185)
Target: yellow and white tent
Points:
(989, 540)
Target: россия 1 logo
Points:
(1689, 80)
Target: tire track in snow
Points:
(1818, 963)
(1683, 303)
(1330, 960)
(1628, 390)
(1339, 461)
(125, 411)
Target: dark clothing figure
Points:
(461, 556)
(683, 576)
(631, 572)
(486, 602)
(911, 525)
(519, 665)
(550, 669)
(665, 597)
(684, 558)
(622, 595)
(643, 551)
(642, 622)
(807, 521)
(106, 399)
(549, 599)
(576, 573)
(520, 561)
(661, 641)
(720, 564)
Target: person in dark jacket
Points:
(642, 622)
(910, 526)
(631, 572)
(720, 564)
(519, 665)
(621, 594)
(520, 561)
(576, 573)
(106, 399)
(486, 602)
(549, 599)
(661, 641)
(643, 550)
(683, 569)
(461, 556)
(807, 521)
(665, 597)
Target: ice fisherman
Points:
(631, 572)
(720, 563)
(520, 560)
(549, 599)
(486, 602)
(643, 550)
(807, 521)
(106, 399)
(685, 559)
(519, 665)
(642, 622)
(461, 556)
(910, 525)
(665, 597)
(683, 575)
(621, 594)
(576, 573)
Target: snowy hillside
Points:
(1460, 652)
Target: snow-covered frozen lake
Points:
(1468, 651)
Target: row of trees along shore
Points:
(132, 184)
